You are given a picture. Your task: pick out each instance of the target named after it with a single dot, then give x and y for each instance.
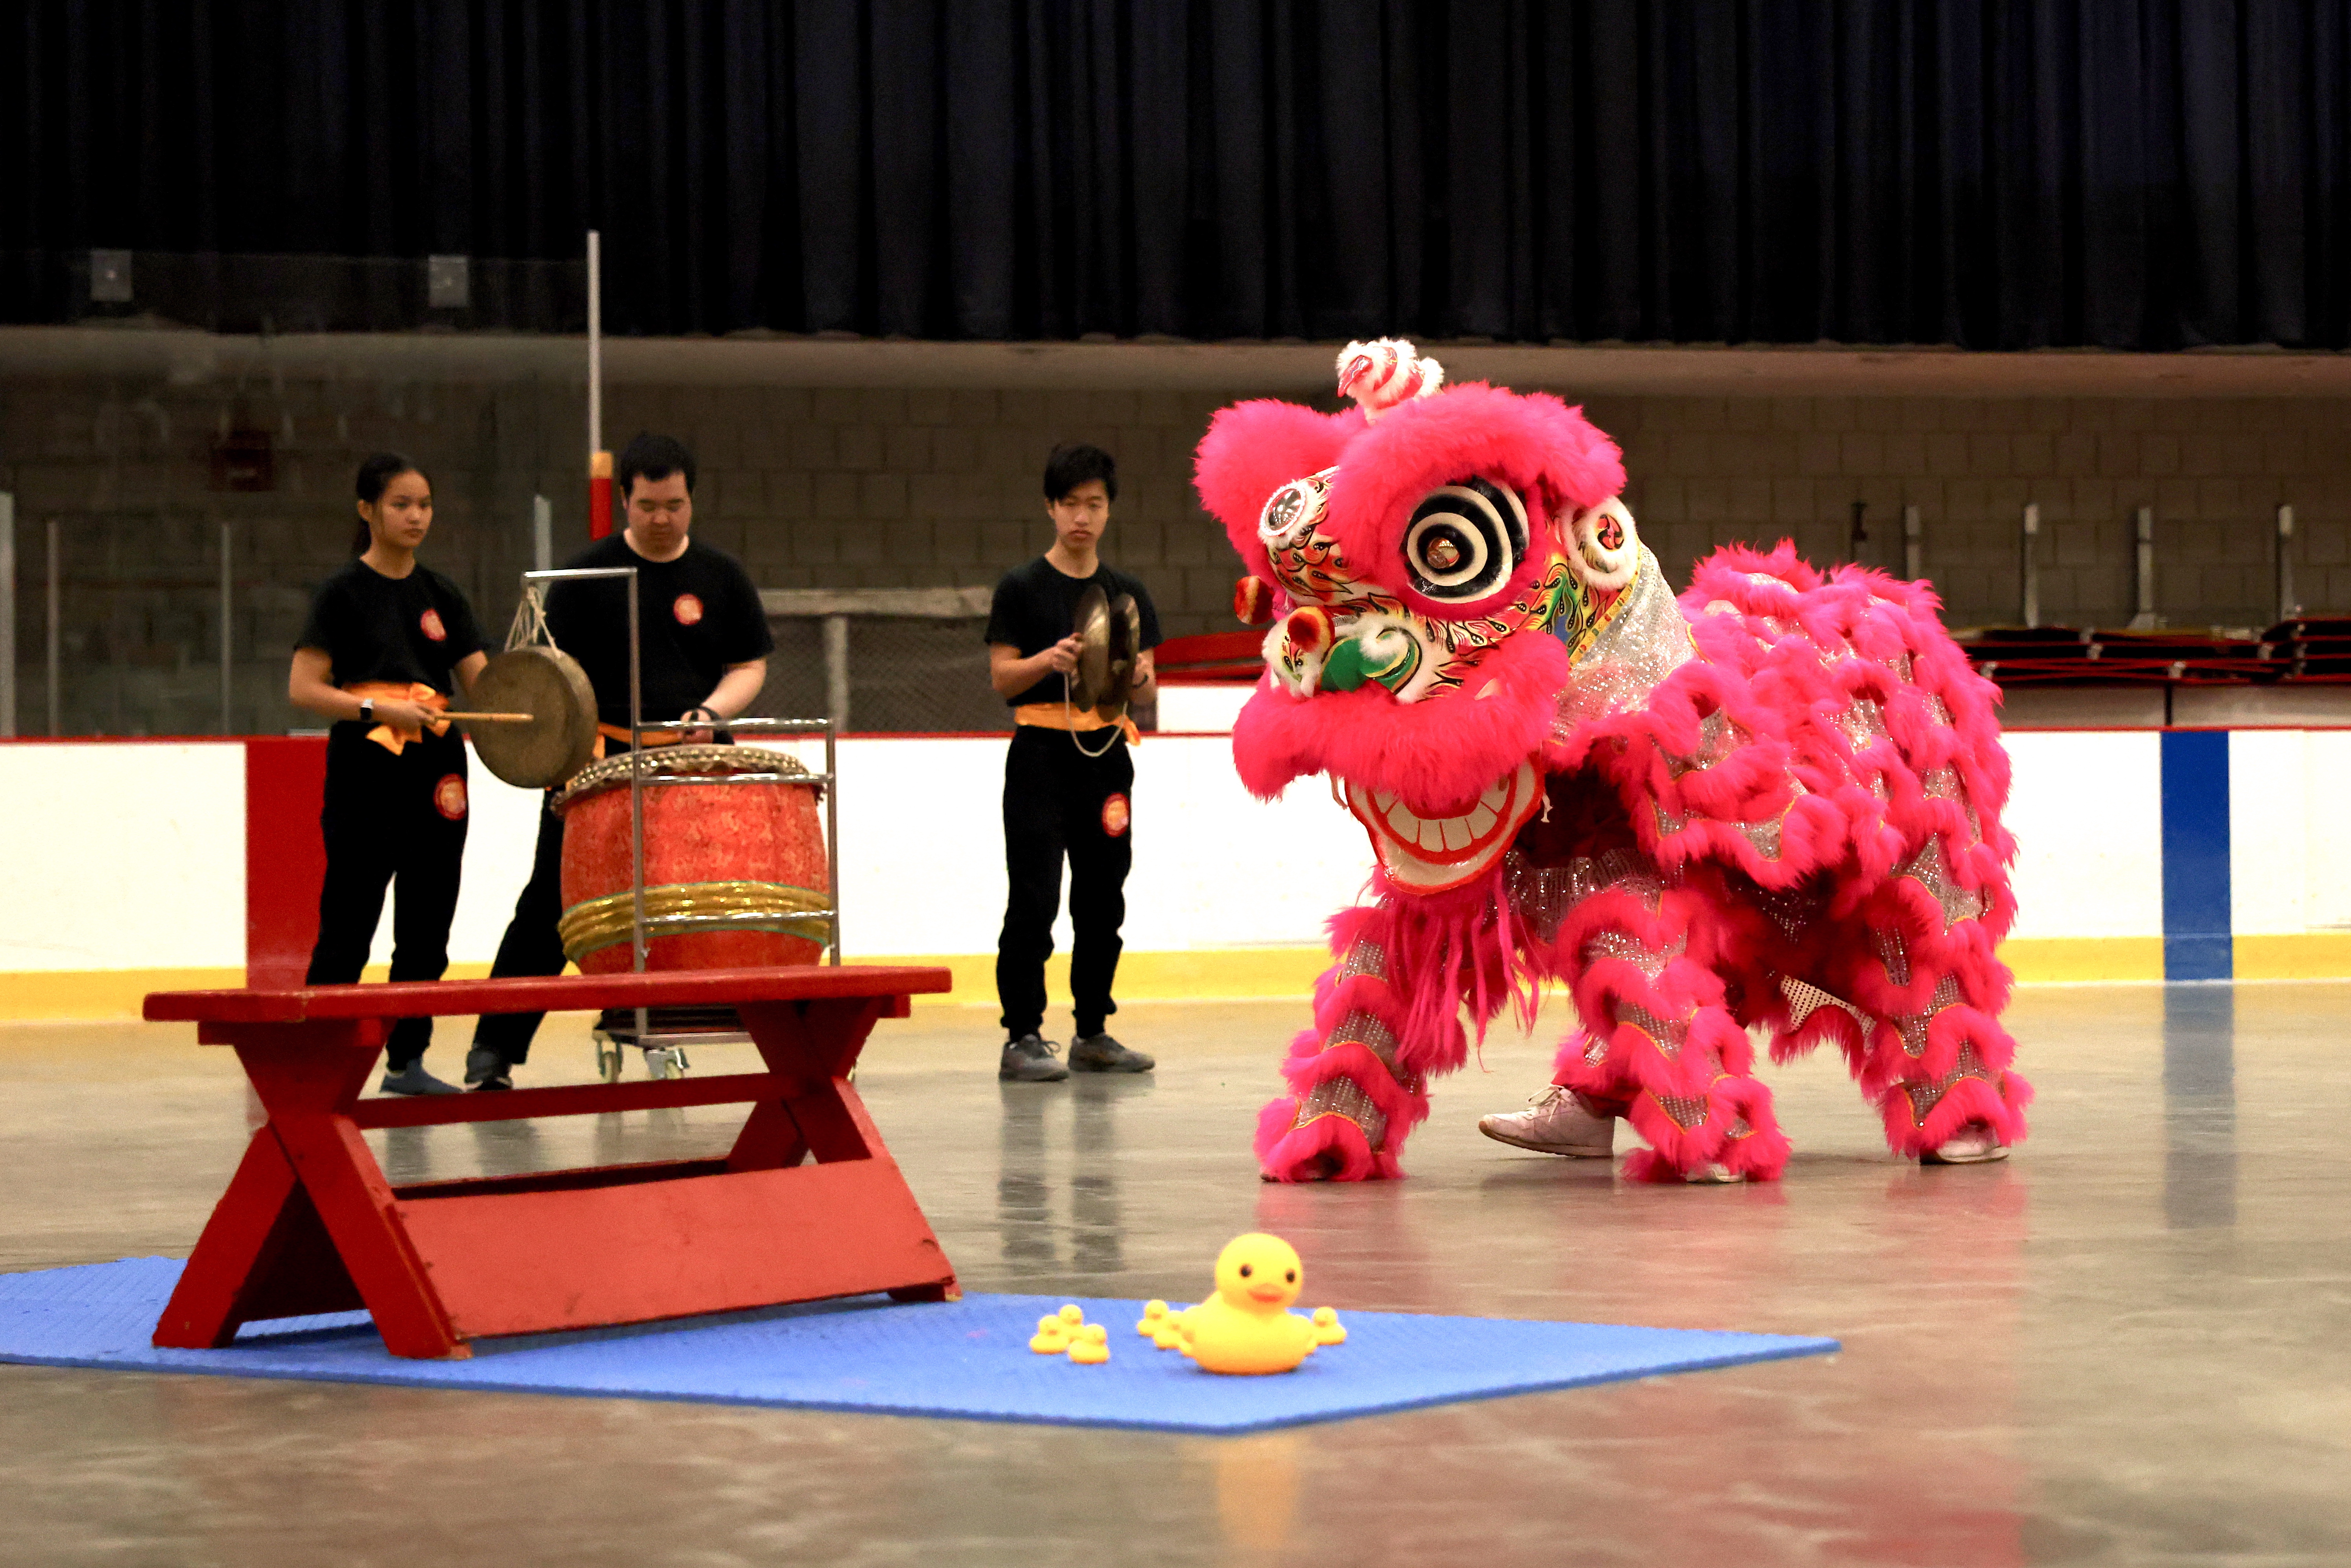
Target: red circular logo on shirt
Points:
(430, 621)
(688, 610)
(449, 797)
(1117, 814)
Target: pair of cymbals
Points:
(1110, 652)
(561, 739)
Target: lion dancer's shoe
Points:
(1357, 1086)
(1660, 1049)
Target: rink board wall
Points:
(2144, 855)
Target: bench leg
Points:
(309, 1077)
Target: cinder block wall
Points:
(894, 486)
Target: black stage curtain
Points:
(1992, 173)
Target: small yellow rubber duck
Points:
(1154, 1313)
(1245, 1328)
(1091, 1347)
(1169, 1333)
(1328, 1329)
(1075, 1315)
(1053, 1335)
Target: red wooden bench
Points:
(807, 1205)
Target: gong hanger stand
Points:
(531, 625)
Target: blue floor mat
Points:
(967, 1359)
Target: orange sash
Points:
(1061, 716)
(605, 732)
(392, 737)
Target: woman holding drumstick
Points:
(385, 641)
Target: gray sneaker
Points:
(1100, 1054)
(414, 1080)
(1031, 1059)
(486, 1069)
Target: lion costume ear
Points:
(1253, 449)
(1604, 546)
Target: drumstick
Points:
(491, 718)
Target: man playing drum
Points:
(1069, 780)
(703, 646)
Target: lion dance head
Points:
(1431, 563)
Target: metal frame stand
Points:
(666, 1049)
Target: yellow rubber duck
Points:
(1154, 1313)
(1053, 1335)
(1328, 1330)
(1075, 1315)
(1091, 1347)
(1169, 1333)
(1245, 1328)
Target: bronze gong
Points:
(549, 684)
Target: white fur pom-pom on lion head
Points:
(1384, 372)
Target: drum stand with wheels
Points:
(663, 1039)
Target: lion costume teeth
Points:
(1774, 803)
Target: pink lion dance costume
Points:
(1773, 803)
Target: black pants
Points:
(391, 818)
(1058, 801)
(530, 946)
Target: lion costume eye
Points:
(1465, 539)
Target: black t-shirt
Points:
(696, 615)
(1035, 606)
(413, 629)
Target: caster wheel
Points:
(608, 1063)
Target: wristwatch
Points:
(367, 710)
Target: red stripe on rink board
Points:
(284, 858)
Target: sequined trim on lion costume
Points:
(1772, 802)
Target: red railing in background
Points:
(1213, 658)
(2309, 651)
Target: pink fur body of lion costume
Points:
(1773, 804)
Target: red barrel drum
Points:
(739, 842)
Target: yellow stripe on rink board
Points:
(1207, 974)
(1224, 974)
(2294, 956)
(2076, 960)
(101, 994)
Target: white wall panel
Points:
(122, 857)
(2086, 807)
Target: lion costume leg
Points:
(1935, 1060)
(1658, 1046)
(1359, 1077)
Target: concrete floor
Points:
(2130, 1344)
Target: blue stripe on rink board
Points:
(2198, 943)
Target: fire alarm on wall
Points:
(243, 460)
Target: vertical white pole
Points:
(2145, 618)
(2286, 606)
(836, 670)
(595, 342)
(1914, 547)
(227, 635)
(56, 622)
(542, 534)
(7, 614)
(2031, 567)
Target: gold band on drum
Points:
(678, 909)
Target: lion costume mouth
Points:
(1430, 854)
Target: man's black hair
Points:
(1071, 464)
(652, 457)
